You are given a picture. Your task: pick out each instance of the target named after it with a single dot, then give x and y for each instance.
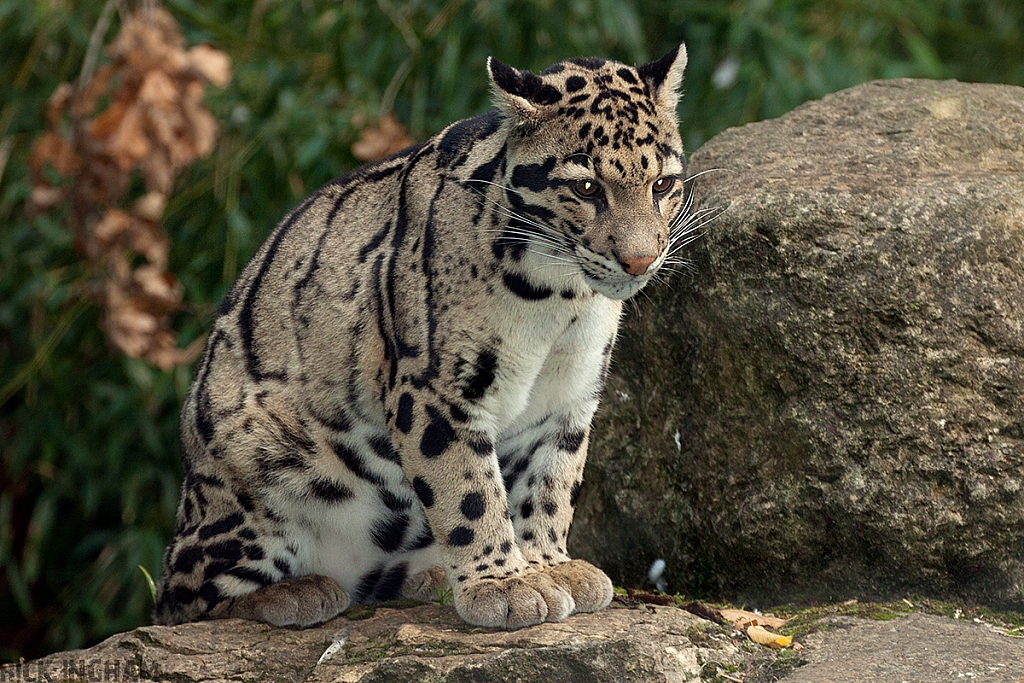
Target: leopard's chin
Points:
(618, 289)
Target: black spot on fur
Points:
(627, 75)
(438, 434)
(251, 311)
(511, 474)
(533, 176)
(367, 584)
(388, 533)
(575, 83)
(393, 502)
(230, 549)
(383, 447)
(355, 463)
(524, 289)
(423, 491)
(526, 509)
(473, 506)
(251, 574)
(204, 406)
(424, 540)
(404, 419)
(458, 414)
(461, 536)
(487, 170)
(390, 585)
(187, 559)
(245, 501)
(221, 526)
(523, 84)
(574, 494)
(482, 375)
(480, 444)
(209, 592)
(329, 491)
(592, 63)
(455, 145)
(527, 535)
(571, 441)
(506, 547)
(549, 508)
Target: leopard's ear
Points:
(523, 97)
(665, 76)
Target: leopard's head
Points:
(596, 170)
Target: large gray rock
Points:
(833, 404)
(425, 644)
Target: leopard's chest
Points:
(550, 360)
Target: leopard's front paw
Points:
(590, 588)
(514, 602)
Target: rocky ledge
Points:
(425, 643)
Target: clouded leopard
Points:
(398, 390)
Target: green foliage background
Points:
(88, 439)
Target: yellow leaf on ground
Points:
(762, 636)
(741, 618)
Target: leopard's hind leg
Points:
(299, 601)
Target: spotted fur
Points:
(399, 387)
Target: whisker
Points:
(693, 177)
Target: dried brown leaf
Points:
(159, 290)
(58, 104)
(53, 150)
(158, 171)
(155, 122)
(128, 144)
(214, 65)
(148, 238)
(384, 139)
(742, 618)
(130, 328)
(158, 90)
(113, 224)
(45, 197)
(150, 206)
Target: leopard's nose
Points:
(638, 265)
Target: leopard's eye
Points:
(586, 188)
(663, 185)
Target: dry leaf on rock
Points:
(762, 636)
(742, 618)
